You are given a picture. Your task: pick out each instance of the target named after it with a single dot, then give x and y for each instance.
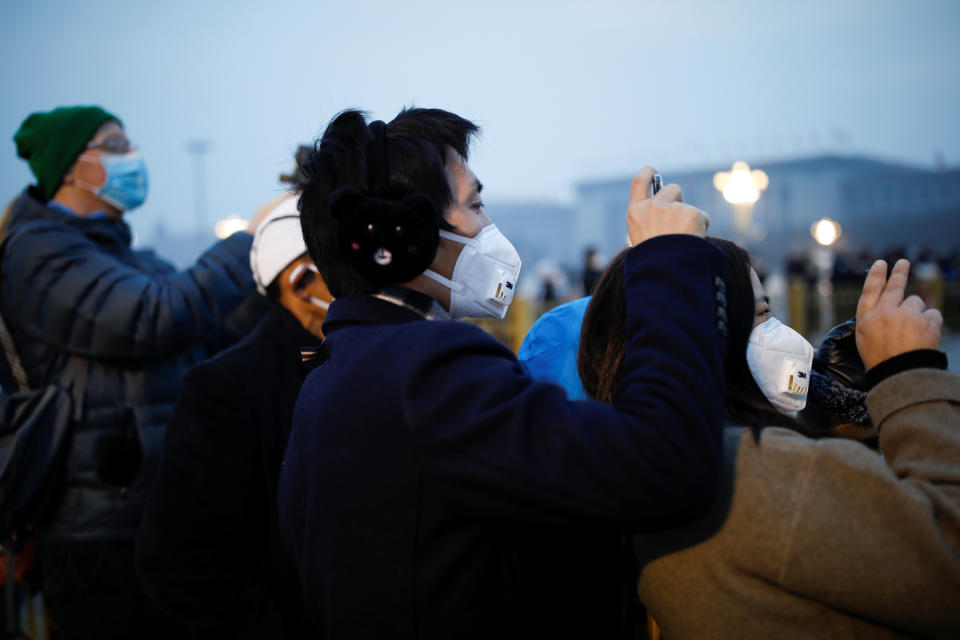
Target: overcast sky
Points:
(565, 92)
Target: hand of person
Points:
(263, 211)
(888, 325)
(663, 214)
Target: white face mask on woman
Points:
(485, 276)
(780, 359)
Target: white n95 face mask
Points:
(780, 359)
(485, 276)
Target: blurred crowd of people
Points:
(850, 267)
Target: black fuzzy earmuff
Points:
(387, 241)
(387, 237)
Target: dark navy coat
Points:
(208, 550)
(431, 489)
(74, 288)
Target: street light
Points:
(229, 226)
(741, 187)
(198, 148)
(825, 231)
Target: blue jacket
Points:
(549, 350)
(73, 289)
(432, 489)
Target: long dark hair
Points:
(603, 334)
(746, 404)
(603, 340)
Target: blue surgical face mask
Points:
(126, 184)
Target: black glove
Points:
(837, 357)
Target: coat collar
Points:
(29, 208)
(391, 305)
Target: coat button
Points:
(721, 298)
(722, 313)
(719, 283)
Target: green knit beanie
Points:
(50, 141)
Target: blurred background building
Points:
(876, 203)
(871, 208)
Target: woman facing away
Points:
(809, 537)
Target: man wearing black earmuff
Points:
(430, 488)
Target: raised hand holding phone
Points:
(661, 214)
(656, 183)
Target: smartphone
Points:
(656, 183)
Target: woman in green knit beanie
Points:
(51, 140)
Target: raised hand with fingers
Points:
(662, 214)
(889, 325)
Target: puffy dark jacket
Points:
(72, 286)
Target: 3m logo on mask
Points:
(794, 379)
(504, 291)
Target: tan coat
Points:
(824, 539)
